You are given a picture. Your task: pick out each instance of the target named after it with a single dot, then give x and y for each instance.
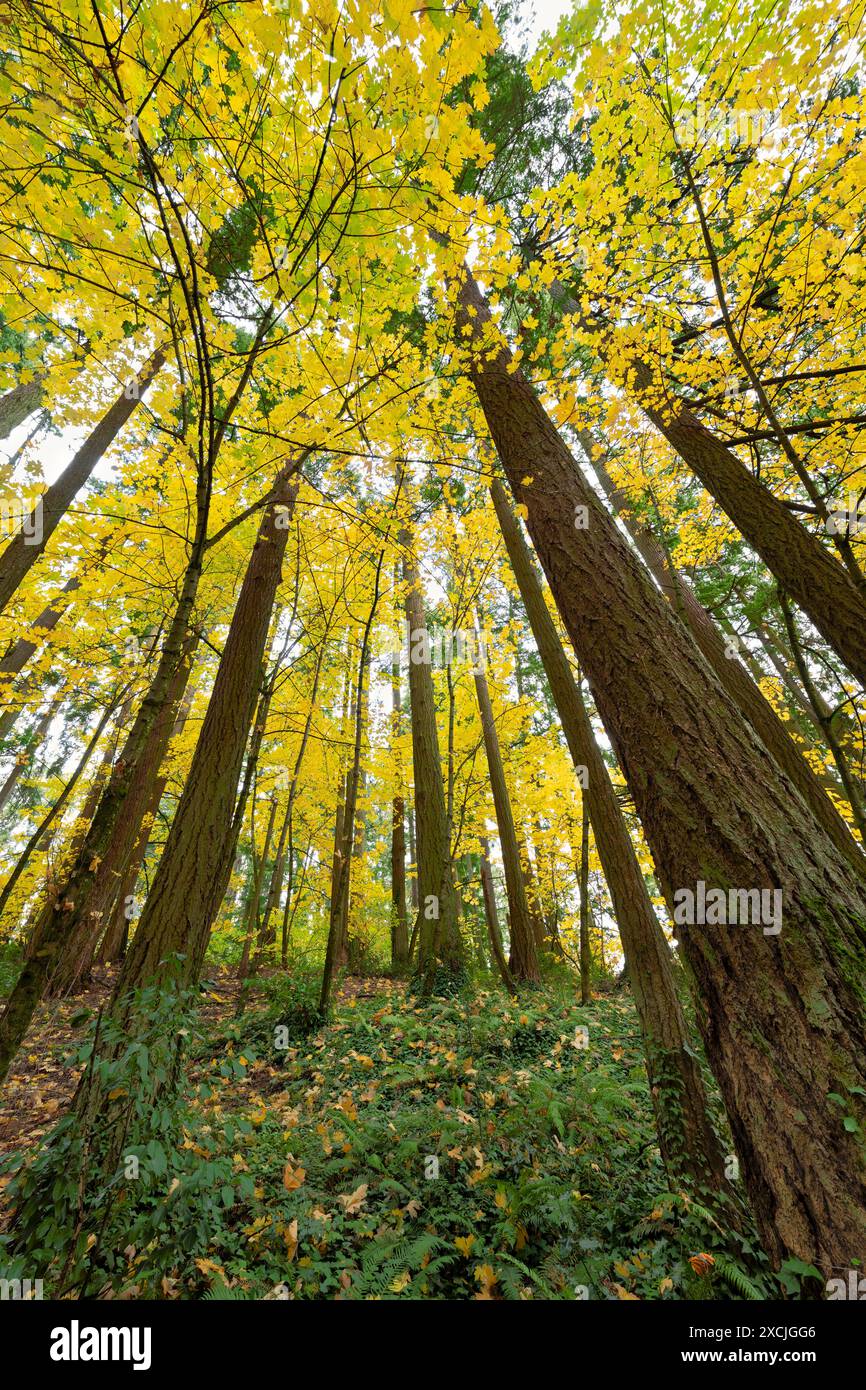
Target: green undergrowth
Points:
(472, 1147)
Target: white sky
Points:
(545, 14)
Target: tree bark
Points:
(585, 952)
(824, 718)
(24, 549)
(523, 962)
(253, 921)
(71, 971)
(816, 581)
(192, 875)
(399, 920)
(729, 669)
(344, 841)
(438, 925)
(116, 935)
(781, 1014)
(491, 913)
(18, 403)
(413, 861)
(686, 1138)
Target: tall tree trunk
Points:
(54, 810)
(339, 817)
(781, 1014)
(413, 861)
(735, 342)
(437, 923)
(64, 909)
(275, 888)
(729, 669)
(473, 912)
(335, 903)
(193, 872)
(345, 843)
(74, 961)
(532, 890)
(19, 402)
(254, 908)
(399, 921)
(24, 549)
(816, 581)
(824, 718)
(491, 914)
(116, 935)
(353, 946)
(288, 857)
(585, 952)
(686, 1138)
(523, 962)
(293, 900)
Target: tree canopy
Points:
(432, 662)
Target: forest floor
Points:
(43, 1077)
(468, 1148)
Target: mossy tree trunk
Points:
(523, 963)
(781, 1013)
(438, 919)
(686, 1137)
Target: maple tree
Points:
(433, 555)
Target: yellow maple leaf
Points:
(353, 1201)
(293, 1178)
(487, 1278)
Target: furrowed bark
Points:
(686, 1137)
(71, 971)
(781, 1012)
(729, 670)
(491, 914)
(399, 919)
(116, 936)
(817, 582)
(585, 952)
(65, 907)
(437, 925)
(523, 963)
(19, 402)
(191, 878)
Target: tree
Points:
(437, 923)
(686, 1135)
(647, 678)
